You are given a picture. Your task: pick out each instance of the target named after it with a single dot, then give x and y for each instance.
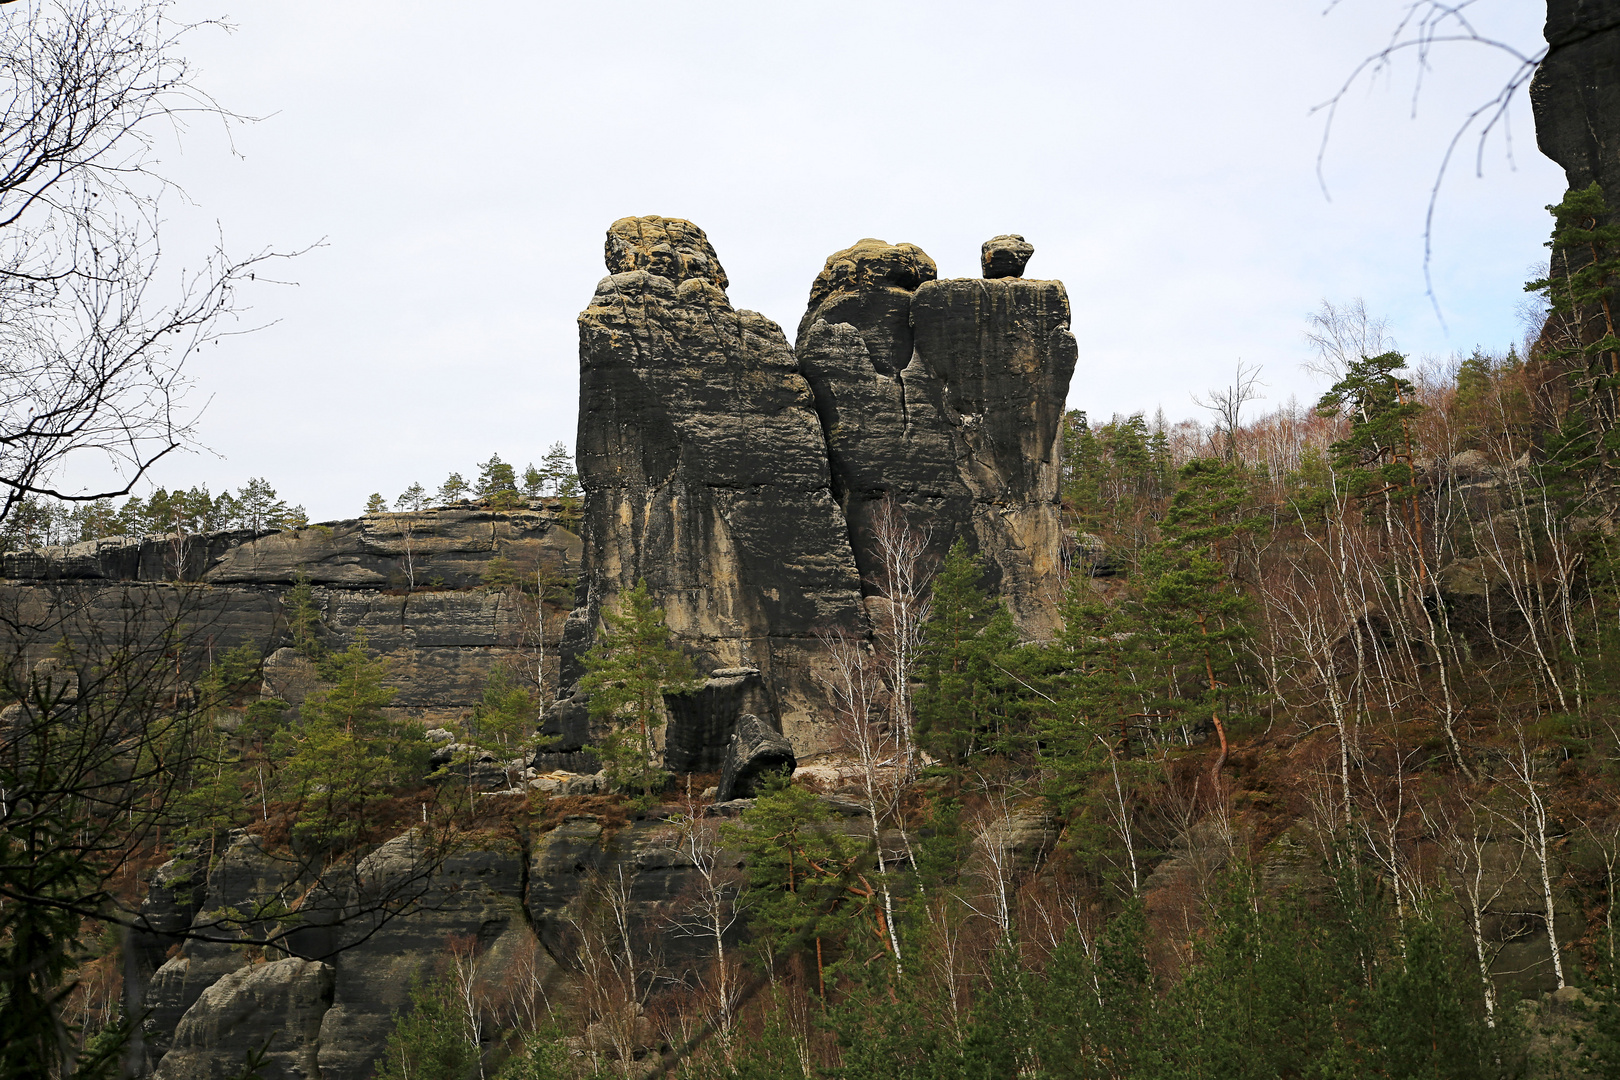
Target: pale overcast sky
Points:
(461, 163)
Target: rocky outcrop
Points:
(701, 723)
(746, 482)
(942, 401)
(332, 990)
(278, 1006)
(414, 584)
(704, 470)
(1576, 92)
(1005, 256)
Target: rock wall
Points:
(704, 471)
(1576, 92)
(412, 584)
(946, 399)
(741, 479)
(330, 997)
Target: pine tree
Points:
(505, 712)
(344, 752)
(534, 482)
(412, 499)
(304, 617)
(430, 1041)
(557, 467)
(633, 664)
(257, 507)
(969, 700)
(495, 479)
(797, 868)
(1377, 455)
(1192, 613)
(1095, 708)
(454, 489)
(376, 504)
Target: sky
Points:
(452, 170)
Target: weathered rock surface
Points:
(411, 583)
(1005, 256)
(745, 483)
(704, 470)
(279, 1004)
(701, 723)
(1576, 92)
(756, 749)
(962, 436)
(244, 876)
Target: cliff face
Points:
(743, 480)
(1576, 92)
(412, 584)
(945, 398)
(520, 904)
(704, 470)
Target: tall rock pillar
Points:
(705, 475)
(945, 398)
(1576, 93)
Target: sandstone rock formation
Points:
(411, 583)
(704, 469)
(962, 436)
(745, 483)
(755, 750)
(1005, 256)
(1576, 92)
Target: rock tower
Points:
(739, 477)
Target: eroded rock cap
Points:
(669, 247)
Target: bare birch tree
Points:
(95, 322)
(901, 586)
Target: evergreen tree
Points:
(431, 1040)
(412, 499)
(1192, 613)
(633, 664)
(1082, 464)
(304, 617)
(969, 702)
(1105, 992)
(557, 467)
(798, 870)
(1377, 456)
(505, 713)
(495, 478)
(454, 489)
(534, 482)
(376, 504)
(257, 507)
(344, 752)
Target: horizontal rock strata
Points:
(412, 584)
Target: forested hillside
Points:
(857, 710)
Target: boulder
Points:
(562, 783)
(756, 748)
(244, 875)
(1005, 256)
(701, 722)
(278, 1005)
